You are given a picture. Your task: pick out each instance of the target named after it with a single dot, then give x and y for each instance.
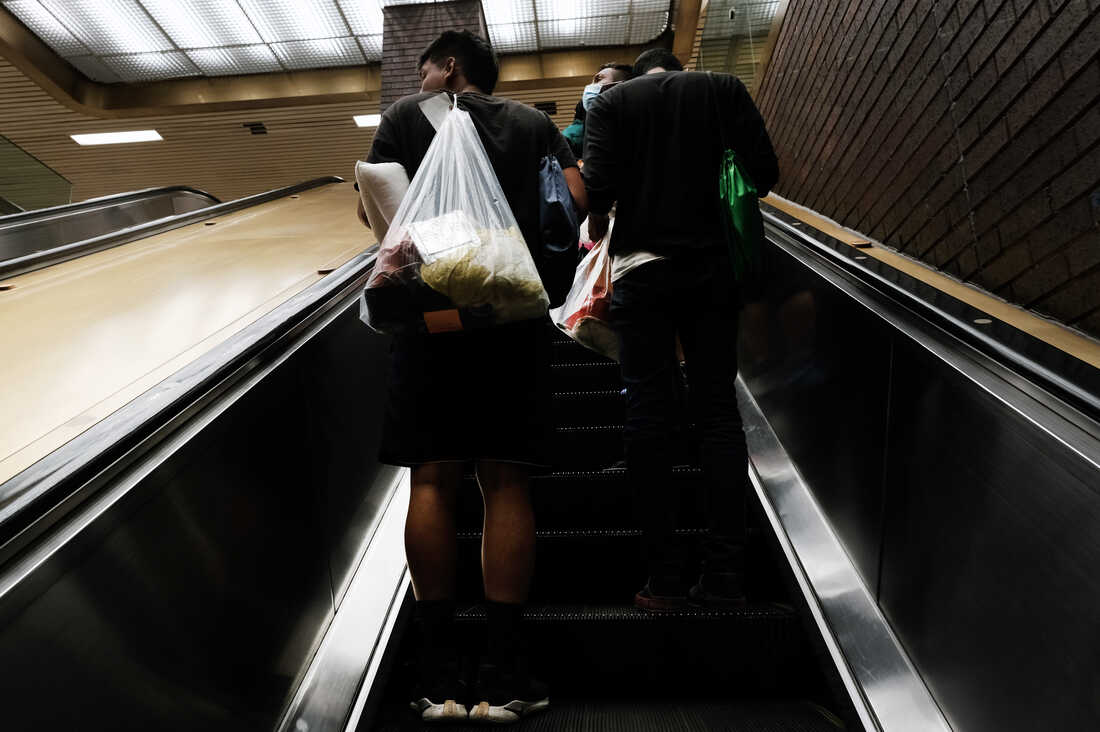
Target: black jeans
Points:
(693, 295)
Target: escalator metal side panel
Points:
(885, 689)
(193, 588)
(45, 229)
(335, 688)
(100, 201)
(25, 258)
(965, 496)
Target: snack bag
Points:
(586, 314)
(454, 244)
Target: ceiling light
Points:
(203, 23)
(368, 120)
(110, 26)
(113, 138)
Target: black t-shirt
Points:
(654, 144)
(516, 138)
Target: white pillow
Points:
(381, 188)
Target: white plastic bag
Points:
(455, 234)
(586, 313)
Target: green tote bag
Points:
(739, 206)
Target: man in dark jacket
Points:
(654, 145)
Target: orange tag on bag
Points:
(443, 321)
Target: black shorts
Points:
(475, 395)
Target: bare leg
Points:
(508, 536)
(430, 542)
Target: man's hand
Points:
(597, 226)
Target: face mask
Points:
(590, 93)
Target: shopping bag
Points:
(742, 222)
(454, 245)
(586, 314)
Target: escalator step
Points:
(587, 499)
(569, 351)
(599, 565)
(582, 648)
(635, 715)
(589, 407)
(586, 376)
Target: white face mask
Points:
(590, 93)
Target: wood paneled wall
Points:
(211, 151)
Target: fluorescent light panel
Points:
(368, 120)
(203, 23)
(114, 138)
(142, 40)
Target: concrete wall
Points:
(962, 132)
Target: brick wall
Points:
(406, 32)
(962, 132)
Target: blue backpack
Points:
(560, 231)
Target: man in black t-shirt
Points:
(654, 146)
(478, 396)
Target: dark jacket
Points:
(654, 144)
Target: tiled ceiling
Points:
(148, 40)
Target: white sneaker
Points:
(448, 711)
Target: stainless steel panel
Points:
(990, 556)
(886, 691)
(41, 230)
(990, 500)
(811, 359)
(344, 669)
(342, 438)
(193, 591)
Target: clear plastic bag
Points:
(454, 243)
(586, 314)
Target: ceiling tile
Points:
(364, 17)
(203, 23)
(319, 53)
(236, 60)
(44, 25)
(503, 12)
(151, 66)
(563, 9)
(645, 27)
(609, 31)
(513, 38)
(293, 20)
(94, 69)
(371, 47)
(110, 26)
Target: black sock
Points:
(506, 640)
(434, 621)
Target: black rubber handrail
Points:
(35, 498)
(1059, 374)
(92, 203)
(48, 257)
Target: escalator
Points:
(210, 543)
(609, 665)
(34, 239)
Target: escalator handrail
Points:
(48, 257)
(37, 497)
(24, 217)
(1052, 384)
